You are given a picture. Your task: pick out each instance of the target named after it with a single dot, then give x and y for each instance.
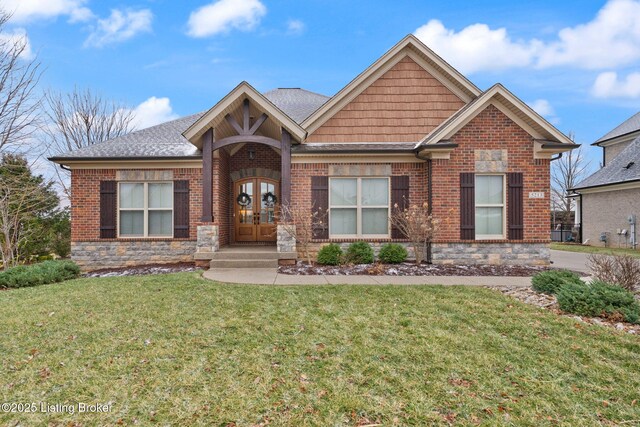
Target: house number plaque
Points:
(536, 195)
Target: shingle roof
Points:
(295, 102)
(166, 141)
(161, 141)
(619, 170)
(632, 124)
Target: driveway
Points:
(575, 261)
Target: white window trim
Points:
(145, 211)
(502, 205)
(359, 207)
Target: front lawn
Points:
(177, 349)
(572, 247)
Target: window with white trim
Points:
(359, 207)
(145, 209)
(489, 203)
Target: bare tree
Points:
(19, 76)
(298, 222)
(23, 198)
(80, 119)
(419, 226)
(566, 173)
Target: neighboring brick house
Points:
(408, 128)
(608, 198)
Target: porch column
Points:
(207, 175)
(285, 167)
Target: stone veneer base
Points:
(109, 254)
(506, 253)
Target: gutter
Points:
(605, 185)
(108, 159)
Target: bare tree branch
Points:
(80, 119)
(19, 106)
(566, 173)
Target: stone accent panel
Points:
(144, 175)
(255, 172)
(285, 241)
(124, 253)
(359, 170)
(491, 160)
(491, 253)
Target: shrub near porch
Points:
(177, 349)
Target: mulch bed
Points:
(410, 269)
(549, 302)
(143, 270)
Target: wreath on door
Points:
(269, 198)
(243, 199)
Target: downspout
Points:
(63, 167)
(429, 204)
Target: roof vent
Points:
(629, 165)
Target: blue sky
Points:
(576, 62)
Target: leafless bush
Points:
(296, 220)
(621, 270)
(417, 223)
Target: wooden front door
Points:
(254, 210)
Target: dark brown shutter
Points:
(467, 206)
(108, 209)
(320, 201)
(181, 209)
(515, 206)
(399, 197)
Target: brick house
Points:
(610, 197)
(408, 128)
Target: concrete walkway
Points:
(270, 276)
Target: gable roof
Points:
(231, 102)
(165, 141)
(509, 104)
(409, 46)
(632, 124)
(618, 170)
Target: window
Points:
(489, 203)
(359, 207)
(145, 209)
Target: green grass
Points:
(180, 350)
(594, 249)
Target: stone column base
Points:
(286, 244)
(208, 239)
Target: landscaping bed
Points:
(550, 302)
(143, 270)
(411, 269)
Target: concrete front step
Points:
(245, 255)
(244, 263)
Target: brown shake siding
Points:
(403, 105)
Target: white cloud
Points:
(120, 26)
(30, 10)
(153, 111)
(476, 47)
(17, 35)
(607, 85)
(542, 107)
(224, 15)
(611, 39)
(295, 26)
(545, 109)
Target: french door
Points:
(255, 206)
